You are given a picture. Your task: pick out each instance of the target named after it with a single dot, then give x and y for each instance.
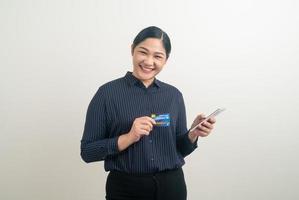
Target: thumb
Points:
(201, 116)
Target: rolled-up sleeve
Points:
(184, 145)
(95, 143)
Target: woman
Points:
(137, 125)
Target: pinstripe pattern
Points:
(111, 113)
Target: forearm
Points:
(124, 141)
(99, 150)
(92, 151)
(185, 145)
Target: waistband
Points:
(158, 173)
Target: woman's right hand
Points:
(140, 127)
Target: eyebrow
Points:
(158, 52)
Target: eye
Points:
(143, 52)
(159, 57)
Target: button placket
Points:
(149, 110)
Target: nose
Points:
(149, 61)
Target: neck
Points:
(146, 83)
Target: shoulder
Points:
(112, 86)
(108, 89)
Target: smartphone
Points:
(213, 114)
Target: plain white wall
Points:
(242, 55)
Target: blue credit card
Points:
(161, 120)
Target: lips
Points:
(146, 69)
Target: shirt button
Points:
(152, 159)
(150, 141)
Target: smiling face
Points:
(149, 57)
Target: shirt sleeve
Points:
(96, 144)
(184, 145)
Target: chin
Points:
(146, 75)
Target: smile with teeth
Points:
(146, 69)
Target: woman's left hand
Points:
(202, 130)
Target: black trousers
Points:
(166, 185)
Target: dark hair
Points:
(153, 32)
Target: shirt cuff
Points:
(185, 146)
(187, 142)
(112, 146)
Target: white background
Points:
(241, 55)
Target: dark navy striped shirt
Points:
(111, 113)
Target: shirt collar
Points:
(132, 80)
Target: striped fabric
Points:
(111, 113)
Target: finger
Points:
(146, 120)
(212, 120)
(201, 116)
(149, 119)
(201, 134)
(147, 123)
(208, 125)
(146, 128)
(204, 129)
(143, 132)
